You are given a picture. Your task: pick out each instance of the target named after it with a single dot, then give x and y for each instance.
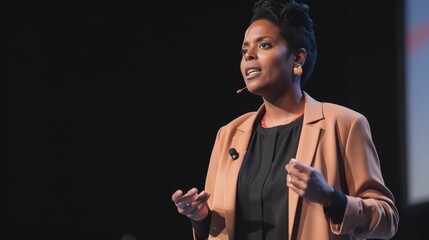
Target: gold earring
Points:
(297, 70)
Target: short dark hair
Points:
(296, 27)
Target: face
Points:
(266, 65)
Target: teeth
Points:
(252, 73)
(252, 70)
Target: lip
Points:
(252, 72)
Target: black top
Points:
(262, 194)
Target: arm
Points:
(196, 206)
(370, 211)
(201, 229)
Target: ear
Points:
(300, 57)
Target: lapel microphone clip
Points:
(233, 153)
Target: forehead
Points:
(261, 27)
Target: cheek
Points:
(274, 68)
(281, 66)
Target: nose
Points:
(250, 55)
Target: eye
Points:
(265, 45)
(243, 51)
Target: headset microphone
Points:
(240, 90)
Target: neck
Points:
(284, 110)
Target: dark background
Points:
(109, 109)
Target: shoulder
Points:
(344, 117)
(238, 122)
(340, 111)
(329, 111)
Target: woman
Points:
(296, 167)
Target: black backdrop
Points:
(109, 109)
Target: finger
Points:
(291, 165)
(196, 206)
(202, 197)
(186, 198)
(198, 203)
(176, 195)
(299, 180)
(295, 174)
(294, 188)
(191, 192)
(298, 169)
(199, 199)
(302, 167)
(296, 184)
(291, 180)
(288, 168)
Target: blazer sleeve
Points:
(211, 175)
(370, 211)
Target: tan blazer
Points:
(335, 140)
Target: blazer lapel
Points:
(308, 141)
(240, 142)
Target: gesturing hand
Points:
(192, 204)
(308, 183)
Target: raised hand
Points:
(308, 183)
(192, 204)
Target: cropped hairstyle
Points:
(296, 27)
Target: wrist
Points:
(328, 200)
(202, 219)
(202, 215)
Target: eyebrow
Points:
(257, 40)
